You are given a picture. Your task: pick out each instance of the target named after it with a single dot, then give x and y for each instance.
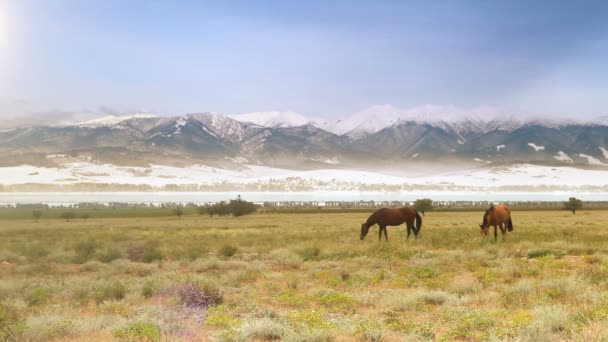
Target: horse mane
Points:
(485, 216)
(371, 220)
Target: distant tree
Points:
(239, 207)
(221, 208)
(37, 214)
(573, 205)
(423, 205)
(202, 209)
(85, 216)
(68, 215)
(179, 211)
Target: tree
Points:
(179, 211)
(573, 205)
(203, 209)
(37, 214)
(425, 204)
(85, 216)
(239, 207)
(68, 215)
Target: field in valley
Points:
(302, 277)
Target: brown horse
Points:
(497, 216)
(393, 217)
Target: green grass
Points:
(302, 277)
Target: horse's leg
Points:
(503, 230)
(385, 234)
(495, 233)
(380, 232)
(409, 230)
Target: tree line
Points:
(236, 207)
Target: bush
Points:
(424, 205)
(106, 290)
(195, 296)
(433, 297)
(68, 215)
(109, 254)
(200, 265)
(35, 295)
(309, 253)
(286, 257)
(147, 252)
(538, 253)
(228, 251)
(263, 329)
(149, 289)
(84, 251)
(10, 319)
(465, 284)
(139, 331)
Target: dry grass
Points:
(304, 277)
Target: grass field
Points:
(303, 277)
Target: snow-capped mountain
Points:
(109, 120)
(274, 119)
(376, 136)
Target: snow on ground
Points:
(605, 152)
(536, 147)
(159, 176)
(591, 160)
(562, 156)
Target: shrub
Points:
(263, 329)
(465, 284)
(433, 297)
(547, 319)
(309, 253)
(336, 300)
(109, 254)
(228, 251)
(10, 319)
(286, 257)
(48, 326)
(114, 307)
(80, 292)
(68, 215)
(84, 251)
(148, 289)
(35, 295)
(201, 265)
(37, 213)
(538, 253)
(147, 252)
(139, 331)
(195, 296)
(179, 212)
(106, 290)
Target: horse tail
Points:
(418, 222)
(510, 224)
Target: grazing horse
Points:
(393, 217)
(497, 216)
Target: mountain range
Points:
(380, 136)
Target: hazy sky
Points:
(319, 58)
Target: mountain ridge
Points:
(217, 138)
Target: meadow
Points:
(302, 277)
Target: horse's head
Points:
(484, 229)
(364, 230)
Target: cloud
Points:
(42, 118)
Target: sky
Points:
(65, 59)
